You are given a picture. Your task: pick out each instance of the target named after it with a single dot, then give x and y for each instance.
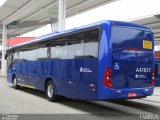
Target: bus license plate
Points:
(132, 94)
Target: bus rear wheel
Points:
(15, 85)
(50, 91)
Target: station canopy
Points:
(22, 16)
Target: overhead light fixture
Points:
(2, 2)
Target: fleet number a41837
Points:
(143, 69)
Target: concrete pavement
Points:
(29, 101)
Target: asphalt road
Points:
(29, 103)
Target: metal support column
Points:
(54, 27)
(61, 15)
(4, 63)
(54, 24)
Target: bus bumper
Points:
(125, 93)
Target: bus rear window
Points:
(130, 38)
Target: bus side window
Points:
(16, 56)
(27, 53)
(13, 57)
(23, 55)
(42, 52)
(75, 46)
(63, 51)
(32, 55)
(55, 52)
(59, 50)
(91, 43)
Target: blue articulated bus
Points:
(101, 61)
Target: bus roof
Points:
(54, 34)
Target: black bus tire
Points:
(51, 91)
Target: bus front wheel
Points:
(15, 85)
(50, 91)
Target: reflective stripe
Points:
(23, 85)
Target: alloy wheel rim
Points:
(50, 90)
(14, 82)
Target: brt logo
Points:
(85, 69)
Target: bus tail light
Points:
(107, 81)
(152, 82)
